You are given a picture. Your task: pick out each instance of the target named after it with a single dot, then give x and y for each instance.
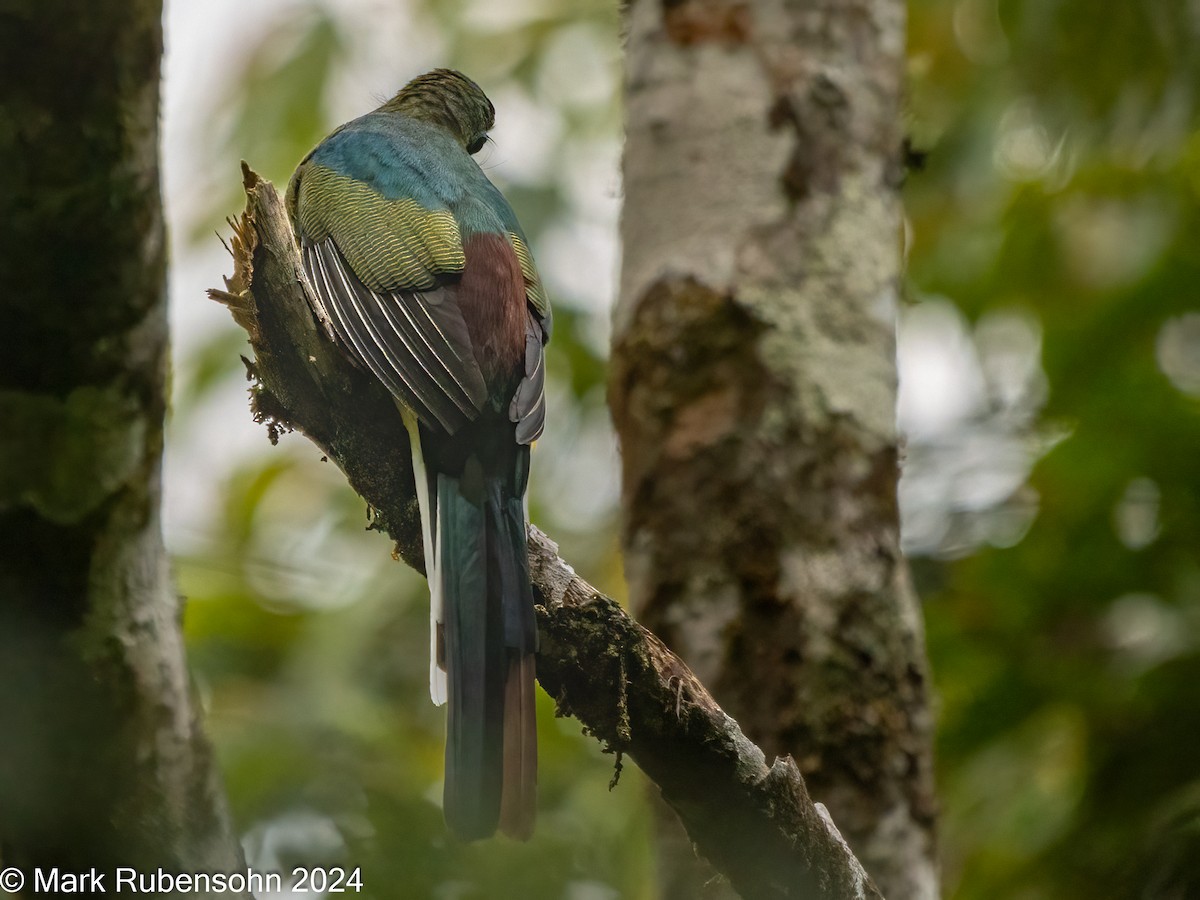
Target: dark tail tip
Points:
(466, 825)
(470, 816)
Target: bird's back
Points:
(423, 274)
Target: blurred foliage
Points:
(1050, 368)
(1062, 187)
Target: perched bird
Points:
(425, 278)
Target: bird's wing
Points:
(378, 265)
(528, 407)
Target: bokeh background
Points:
(1049, 354)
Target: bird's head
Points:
(449, 99)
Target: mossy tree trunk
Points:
(102, 759)
(753, 388)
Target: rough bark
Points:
(755, 821)
(102, 759)
(753, 389)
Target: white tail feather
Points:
(437, 675)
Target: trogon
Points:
(424, 277)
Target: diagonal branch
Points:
(754, 821)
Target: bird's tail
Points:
(489, 640)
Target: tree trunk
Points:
(753, 387)
(102, 760)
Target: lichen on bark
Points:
(753, 388)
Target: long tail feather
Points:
(427, 501)
(490, 641)
(475, 653)
(518, 796)
(509, 565)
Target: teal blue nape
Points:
(421, 271)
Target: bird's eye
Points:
(476, 145)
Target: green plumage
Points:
(420, 270)
(391, 244)
(474, 624)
